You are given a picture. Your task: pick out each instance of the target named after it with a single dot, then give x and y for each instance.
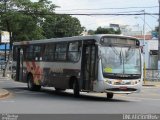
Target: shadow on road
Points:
(53, 94)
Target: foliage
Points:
(35, 20)
(27, 20)
(63, 26)
(101, 30)
(91, 32)
(20, 18)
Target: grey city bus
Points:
(107, 63)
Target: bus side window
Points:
(48, 52)
(60, 51)
(29, 53)
(37, 50)
(45, 56)
(74, 51)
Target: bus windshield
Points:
(121, 60)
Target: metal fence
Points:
(9, 71)
(153, 75)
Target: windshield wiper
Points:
(114, 50)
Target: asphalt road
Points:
(47, 101)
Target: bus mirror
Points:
(99, 57)
(21, 51)
(141, 48)
(96, 43)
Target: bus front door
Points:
(88, 65)
(19, 68)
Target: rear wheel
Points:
(109, 95)
(31, 85)
(76, 88)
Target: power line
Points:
(130, 11)
(83, 14)
(104, 14)
(116, 12)
(109, 8)
(154, 16)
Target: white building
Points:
(150, 53)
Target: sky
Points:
(101, 6)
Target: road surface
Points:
(47, 101)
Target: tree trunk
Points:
(7, 64)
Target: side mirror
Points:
(142, 51)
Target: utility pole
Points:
(159, 38)
(144, 31)
(144, 58)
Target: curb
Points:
(3, 93)
(157, 85)
(149, 85)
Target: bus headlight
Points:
(108, 81)
(122, 82)
(135, 82)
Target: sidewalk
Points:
(3, 92)
(151, 83)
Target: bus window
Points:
(74, 51)
(37, 50)
(29, 53)
(60, 53)
(49, 52)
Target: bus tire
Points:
(31, 85)
(76, 88)
(109, 95)
(38, 87)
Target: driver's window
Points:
(74, 51)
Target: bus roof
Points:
(87, 37)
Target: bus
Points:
(110, 64)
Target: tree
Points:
(26, 20)
(23, 21)
(36, 20)
(61, 26)
(101, 30)
(21, 17)
(91, 32)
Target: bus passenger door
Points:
(88, 66)
(19, 67)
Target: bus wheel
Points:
(109, 95)
(76, 88)
(38, 87)
(31, 85)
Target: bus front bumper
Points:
(102, 86)
(118, 92)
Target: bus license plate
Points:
(123, 88)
